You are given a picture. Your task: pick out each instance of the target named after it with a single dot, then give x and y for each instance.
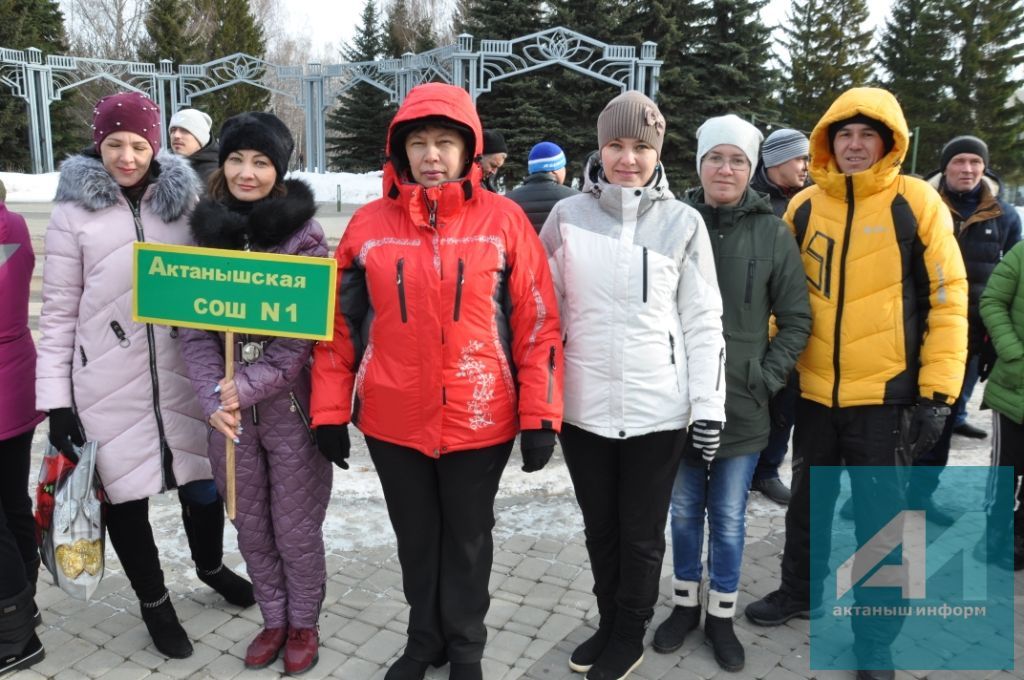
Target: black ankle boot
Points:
(162, 622)
(472, 670)
(204, 528)
(671, 633)
(719, 633)
(19, 646)
(584, 656)
(233, 587)
(625, 649)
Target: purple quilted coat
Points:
(283, 484)
(17, 353)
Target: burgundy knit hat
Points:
(127, 111)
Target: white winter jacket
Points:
(640, 308)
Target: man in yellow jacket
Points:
(888, 343)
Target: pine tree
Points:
(234, 30)
(356, 129)
(407, 29)
(514, 106)
(169, 37)
(914, 50)
(991, 50)
(40, 24)
(829, 52)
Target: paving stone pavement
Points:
(540, 583)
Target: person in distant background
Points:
(543, 186)
(189, 133)
(493, 157)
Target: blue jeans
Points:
(726, 496)
(970, 380)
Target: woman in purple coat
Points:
(283, 482)
(19, 558)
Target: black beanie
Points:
(963, 144)
(494, 142)
(878, 126)
(258, 131)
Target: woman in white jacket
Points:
(644, 353)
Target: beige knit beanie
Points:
(631, 114)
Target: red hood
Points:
(429, 101)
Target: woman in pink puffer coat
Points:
(123, 384)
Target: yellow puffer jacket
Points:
(887, 283)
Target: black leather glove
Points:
(64, 428)
(926, 423)
(702, 442)
(536, 447)
(986, 358)
(332, 440)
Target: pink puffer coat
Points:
(127, 380)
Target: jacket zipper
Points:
(432, 215)
(81, 350)
(551, 374)
(166, 468)
(122, 337)
(458, 288)
(303, 417)
(842, 290)
(750, 283)
(645, 274)
(721, 363)
(400, 280)
(672, 358)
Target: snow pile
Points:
(24, 188)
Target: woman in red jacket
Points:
(446, 344)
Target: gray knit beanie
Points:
(963, 144)
(631, 114)
(783, 145)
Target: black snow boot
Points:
(472, 670)
(671, 633)
(204, 527)
(19, 645)
(584, 656)
(162, 622)
(625, 649)
(718, 631)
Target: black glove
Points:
(536, 447)
(986, 358)
(702, 442)
(777, 412)
(926, 424)
(332, 440)
(64, 428)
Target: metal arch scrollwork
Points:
(71, 72)
(196, 80)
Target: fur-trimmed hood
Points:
(85, 182)
(269, 223)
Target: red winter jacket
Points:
(447, 335)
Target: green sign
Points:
(230, 290)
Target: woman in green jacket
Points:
(1002, 310)
(760, 274)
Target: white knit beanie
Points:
(196, 122)
(729, 129)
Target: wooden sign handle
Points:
(229, 373)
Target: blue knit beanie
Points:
(545, 157)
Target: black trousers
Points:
(18, 550)
(852, 436)
(624, 487)
(1008, 450)
(442, 511)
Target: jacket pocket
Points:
(297, 407)
(400, 282)
(551, 374)
(672, 359)
(756, 384)
(458, 288)
(81, 351)
(748, 291)
(122, 337)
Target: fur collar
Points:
(269, 223)
(84, 181)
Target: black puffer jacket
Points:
(779, 198)
(538, 195)
(204, 161)
(984, 236)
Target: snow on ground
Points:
(352, 188)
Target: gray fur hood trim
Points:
(84, 181)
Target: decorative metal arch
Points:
(315, 87)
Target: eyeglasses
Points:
(735, 163)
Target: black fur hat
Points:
(258, 131)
